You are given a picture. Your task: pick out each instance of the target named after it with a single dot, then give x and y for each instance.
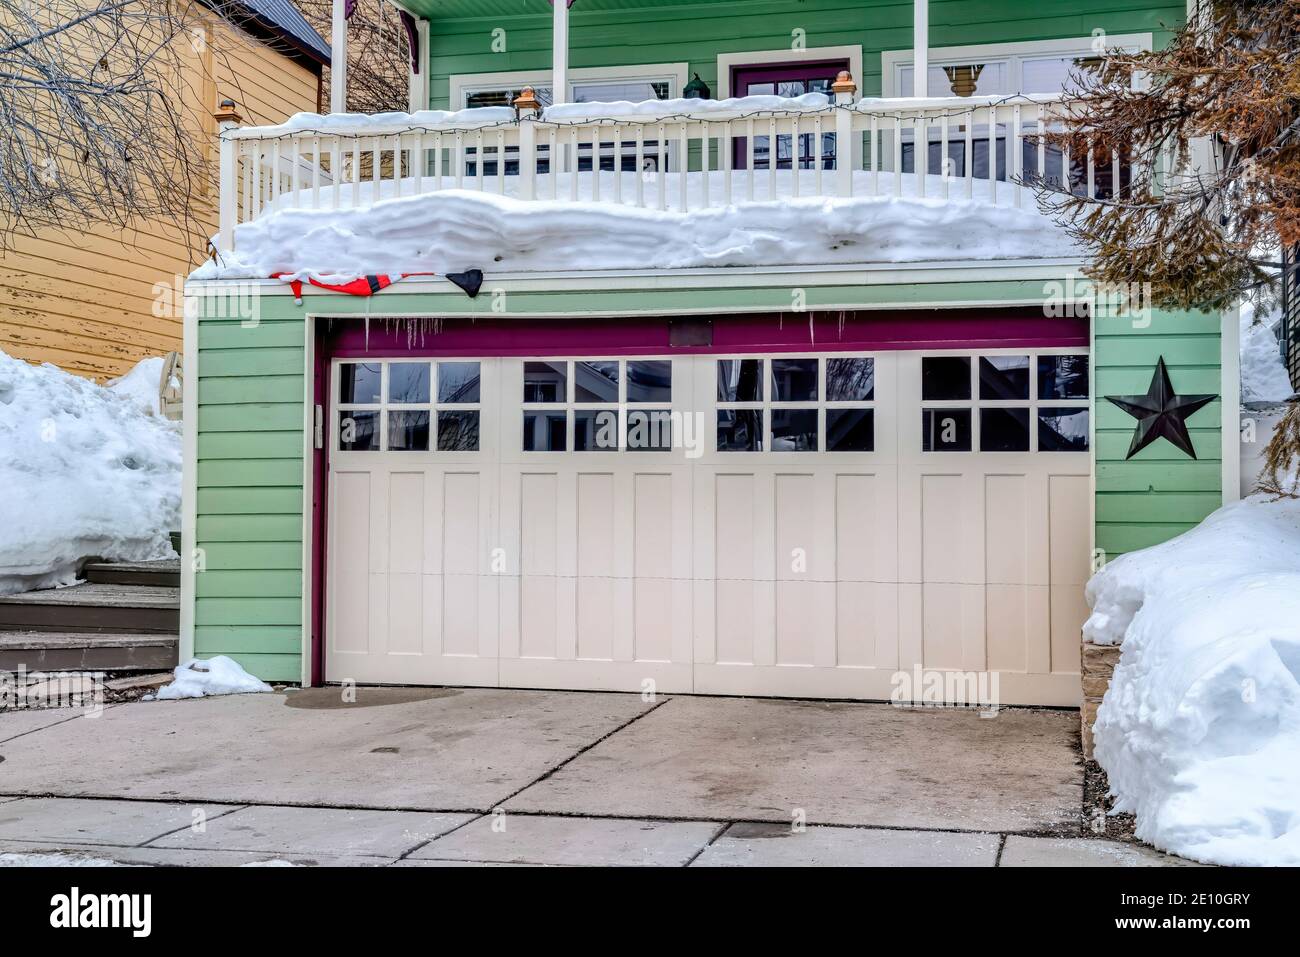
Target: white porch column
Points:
(420, 81)
(339, 59)
(920, 47)
(559, 51)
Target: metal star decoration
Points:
(1161, 412)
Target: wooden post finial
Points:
(526, 101)
(226, 113)
(844, 83)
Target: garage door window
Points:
(796, 404)
(598, 405)
(1004, 403)
(404, 406)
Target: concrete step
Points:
(94, 607)
(166, 573)
(86, 651)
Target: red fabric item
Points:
(365, 286)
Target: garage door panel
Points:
(799, 571)
(597, 596)
(349, 555)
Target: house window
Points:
(788, 80)
(1005, 403)
(796, 404)
(597, 405)
(408, 406)
(1003, 69)
(589, 85)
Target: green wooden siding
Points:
(251, 441)
(623, 34)
(1160, 492)
(248, 597)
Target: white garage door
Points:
(801, 525)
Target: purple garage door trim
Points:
(787, 333)
(771, 332)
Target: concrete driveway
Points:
(446, 777)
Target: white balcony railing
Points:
(975, 149)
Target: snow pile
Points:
(1263, 376)
(454, 229)
(1199, 731)
(55, 859)
(140, 385)
(218, 675)
(85, 471)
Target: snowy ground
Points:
(1263, 376)
(451, 230)
(1199, 732)
(86, 471)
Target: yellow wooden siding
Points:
(96, 303)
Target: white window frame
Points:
(462, 84)
(768, 404)
(726, 61)
(1013, 54)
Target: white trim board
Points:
(1230, 400)
(461, 83)
(726, 61)
(847, 274)
(189, 471)
(891, 60)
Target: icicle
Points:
(843, 319)
(367, 322)
(812, 333)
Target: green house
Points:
(715, 347)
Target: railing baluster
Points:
(1042, 148)
(993, 155)
(704, 163)
(275, 173)
(437, 161)
(618, 164)
(1014, 147)
(873, 160)
(684, 162)
(417, 162)
(595, 163)
(295, 175)
(640, 164)
(795, 155)
(356, 171)
(1092, 172)
(336, 163)
(1114, 174)
(725, 147)
(898, 156)
(750, 172)
(478, 160)
(501, 162)
(315, 172)
(817, 154)
(771, 158)
(553, 162)
(920, 152)
(662, 161)
(573, 164)
(945, 162)
(969, 159)
(458, 157)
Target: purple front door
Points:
(790, 80)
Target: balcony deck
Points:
(658, 185)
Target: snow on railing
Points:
(674, 155)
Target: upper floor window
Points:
(1001, 69)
